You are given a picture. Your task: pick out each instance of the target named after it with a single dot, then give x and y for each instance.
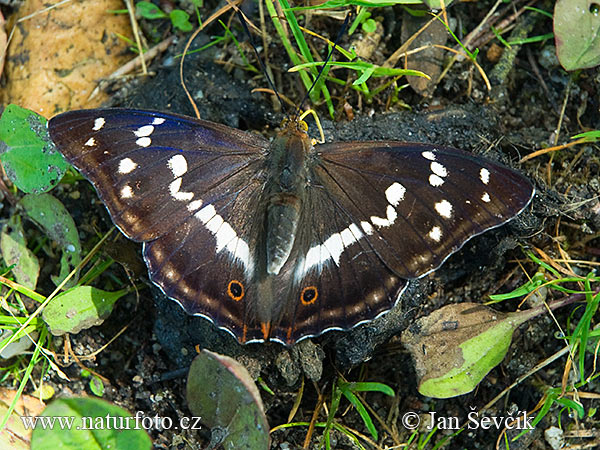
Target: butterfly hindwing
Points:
(206, 263)
(334, 279)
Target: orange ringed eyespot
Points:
(309, 295)
(235, 290)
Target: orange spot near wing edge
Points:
(265, 327)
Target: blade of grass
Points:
(26, 376)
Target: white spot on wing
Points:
(225, 236)
(177, 195)
(146, 130)
(395, 194)
(239, 249)
(428, 155)
(435, 234)
(158, 121)
(99, 123)
(193, 206)
(214, 223)
(486, 197)
(178, 165)
(313, 257)
(332, 248)
(435, 181)
(90, 142)
(392, 215)
(444, 208)
(335, 247)
(484, 175)
(367, 227)
(438, 169)
(144, 141)
(126, 191)
(126, 165)
(206, 213)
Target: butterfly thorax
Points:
(286, 189)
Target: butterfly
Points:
(283, 240)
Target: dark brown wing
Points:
(189, 189)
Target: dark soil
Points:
(146, 366)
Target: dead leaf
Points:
(15, 434)
(456, 346)
(57, 57)
(428, 60)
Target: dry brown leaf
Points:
(429, 59)
(3, 40)
(15, 435)
(456, 346)
(57, 57)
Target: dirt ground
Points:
(533, 103)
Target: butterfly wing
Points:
(188, 188)
(379, 213)
(150, 165)
(418, 203)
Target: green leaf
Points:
(180, 20)
(28, 156)
(221, 392)
(364, 76)
(577, 33)
(79, 308)
(88, 424)
(362, 411)
(149, 11)
(25, 265)
(589, 136)
(370, 386)
(536, 281)
(456, 346)
(97, 386)
(366, 70)
(50, 215)
(18, 346)
(369, 26)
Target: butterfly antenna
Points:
(322, 68)
(244, 22)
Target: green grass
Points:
(582, 341)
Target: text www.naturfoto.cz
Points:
(108, 422)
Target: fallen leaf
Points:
(456, 346)
(56, 58)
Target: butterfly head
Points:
(294, 126)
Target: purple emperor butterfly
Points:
(283, 240)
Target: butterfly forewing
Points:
(419, 203)
(149, 166)
(188, 188)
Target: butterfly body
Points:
(283, 240)
(288, 179)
